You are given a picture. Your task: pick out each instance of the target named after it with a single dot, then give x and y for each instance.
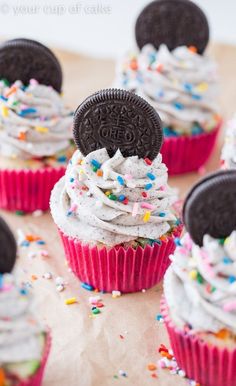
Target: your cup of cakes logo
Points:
(114, 204)
(35, 125)
(199, 303)
(22, 362)
(170, 69)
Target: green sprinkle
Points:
(96, 311)
(19, 212)
(112, 197)
(95, 169)
(221, 241)
(199, 278)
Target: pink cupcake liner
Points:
(28, 190)
(36, 379)
(207, 364)
(117, 268)
(186, 154)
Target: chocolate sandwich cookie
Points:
(24, 59)
(118, 119)
(210, 207)
(7, 248)
(174, 23)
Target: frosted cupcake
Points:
(35, 125)
(24, 342)
(199, 286)
(114, 206)
(228, 155)
(171, 71)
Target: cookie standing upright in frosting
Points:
(199, 287)
(24, 341)
(115, 195)
(171, 71)
(35, 124)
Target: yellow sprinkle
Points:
(202, 87)
(70, 301)
(5, 111)
(41, 129)
(107, 193)
(147, 216)
(193, 274)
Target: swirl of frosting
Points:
(181, 85)
(113, 200)
(200, 285)
(19, 329)
(33, 121)
(228, 155)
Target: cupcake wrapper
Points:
(125, 270)
(28, 190)
(36, 379)
(188, 153)
(207, 364)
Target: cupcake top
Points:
(200, 284)
(170, 70)
(180, 84)
(228, 155)
(115, 194)
(34, 121)
(19, 327)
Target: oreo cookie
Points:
(7, 248)
(118, 119)
(210, 207)
(24, 59)
(174, 23)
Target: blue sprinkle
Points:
(121, 197)
(178, 105)
(152, 58)
(178, 222)
(1, 280)
(227, 260)
(27, 111)
(159, 317)
(40, 242)
(62, 159)
(169, 133)
(25, 243)
(188, 87)
(3, 98)
(196, 97)
(96, 163)
(160, 94)
(232, 279)
(88, 287)
(23, 291)
(72, 179)
(162, 214)
(177, 242)
(148, 186)
(196, 130)
(69, 213)
(151, 176)
(120, 180)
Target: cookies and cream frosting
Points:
(112, 200)
(180, 84)
(228, 155)
(200, 285)
(33, 121)
(19, 329)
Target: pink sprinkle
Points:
(73, 207)
(147, 206)
(201, 171)
(135, 209)
(231, 306)
(128, 176)
(44, 253)
(34, 82)
(162, 188)
(183, 251)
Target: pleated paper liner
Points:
(117, 268)
(207, 364)
(28, 190)
(186, 154)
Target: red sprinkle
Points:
(148, 161)
(154, 375)
(144, 194)
(121, 337)
(125, 202)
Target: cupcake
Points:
(35, 125)
(113, 208)
(199, 303)
(228, 155)
(24, 342)
(170, 70)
